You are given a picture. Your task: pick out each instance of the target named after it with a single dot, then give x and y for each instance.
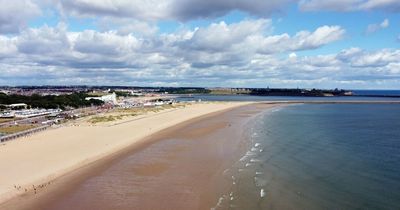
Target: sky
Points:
(349, 44)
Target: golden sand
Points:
(31, 162)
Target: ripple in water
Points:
(320, 157)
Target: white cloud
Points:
(335, 5)
(146, 10)
(385, 23)
(185, 10)
(45, 40)
(323, 35)
(221, 37)
(376, 27)
(192, 9)
(244, 53)
(388, 5)
(7, 46)
(107, 43)
(227, 43)
(15, 15)
(129, 48)
(292, 55)
(303, 40)
(181, 10)
(236, 44)
(360, 58)
(349, 5)
(125, 26)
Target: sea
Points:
(300, 157)
(359, 95)
(319, 156)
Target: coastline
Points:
(32, 163)
(182, 167)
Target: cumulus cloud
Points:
(147, 10)
(303, 40)
(107, 43)
(336, 5)
(250, 35)
(349, 5)
(181, 10)
(388, 5)
(376, 27)
(7, 46)
(357, 57)
(15, 15)
(45, 40)
(235, 44)
(293, 55)
(125, 26)
(128, 48)
(221, 37)
(186, 10)
(321, 36)
(239, 54)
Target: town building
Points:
(111, 98)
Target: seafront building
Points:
(28, 113)
(17, 106)
(111, 98)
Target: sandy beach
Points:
(182, 167)
(29, 164)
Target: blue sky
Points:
(228, 43)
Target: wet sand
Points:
(178, 168)
(28, 164)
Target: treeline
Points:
(74, 100)
(184, 90)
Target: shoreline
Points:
(37, 160)
(34, 179)
(192, 165)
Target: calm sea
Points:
(377, 92)
(319, 157)
(362, 95)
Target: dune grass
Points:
(16, 128)
(3, 120)
(131, 112)
(100, 119)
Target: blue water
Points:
(377, 92)
(206, 97)
(320, 157)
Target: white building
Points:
(111, 98)
(27, 113)
(20, 105)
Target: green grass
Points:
(121, 113)
(16, 128)
(100, 119)
(3, 120)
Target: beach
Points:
(31, 164)
(243, 156)
(182, 167)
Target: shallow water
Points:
(320, 157)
